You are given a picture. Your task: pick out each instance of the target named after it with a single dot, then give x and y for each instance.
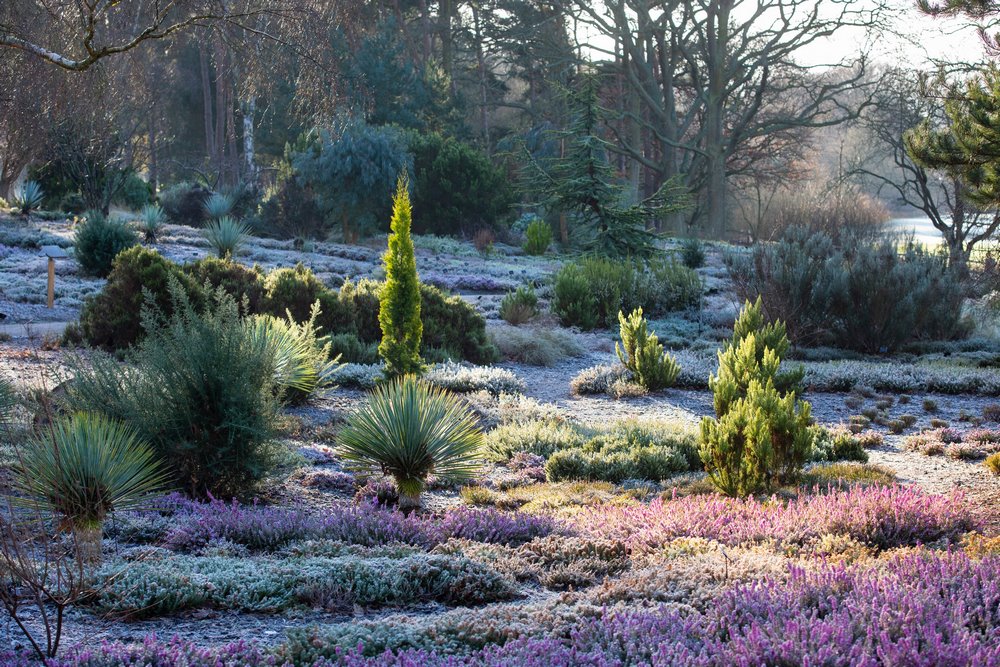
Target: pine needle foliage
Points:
(409, 430)
(761, 433)
(582, 182)
(642, 353)
(399, 300)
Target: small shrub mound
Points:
(167, 586)
(184, 203)
(760, 436)
(590, 294)
(98, 240)
(201, 388)
(993, 463)
(111, 319)
(537, 237)
(646, 450)
(862, 294)
(536, 346)
(520, 306)
(641, 353)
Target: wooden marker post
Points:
(53, 252)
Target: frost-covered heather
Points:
(462, 282)
(158, 586)
(269, 528)
(464, 378)
(824, 376)
(461, 378)
(881, 516)
(973, 444)
(921, 610)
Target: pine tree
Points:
(761, 433)
(399, 301)
(583, 182)
(968, 149)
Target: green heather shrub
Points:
(760, 436)
(295, 290)
(641, 353)
(542, 438)
(111, 319)
(456, 187)
(536, 346)
(573, 302)
(399, 300)
(291, 211)
(537, 237)
(864, 295)
(84, 468)
(243, 283)
(184, 203)
(520, 306)
(591, 293)
(629, 450)
(163, 586)
(411, 430)
(98, 240)
(200, 387)
(463, 378)
(349, 349)
(134, 192)
(225, 235)
(837, 445)
(650, 450)
(692, 253)
(151, 221)
(598, 379)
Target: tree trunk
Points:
(249, 147)
(409, 494)
(206, 94)
(89, 540)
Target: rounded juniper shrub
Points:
(452, 327)
(235, 279)
(112, 319)
(295, 290)
(98, 241)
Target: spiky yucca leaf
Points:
(86, 467)
(302, 363)
(8, 401)
(219, 206)
(410, 429)
(29, 197)
(226, 235)
(151, 220)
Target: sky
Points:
(922, 40)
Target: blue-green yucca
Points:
(83, 469)
(410, 429)
(226, 236)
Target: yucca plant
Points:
(29, 197)
(302, 363)
(226, 235)
(85, 467)
(218, 206)
(409, 430)
(151, 220)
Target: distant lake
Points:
(921, 228)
